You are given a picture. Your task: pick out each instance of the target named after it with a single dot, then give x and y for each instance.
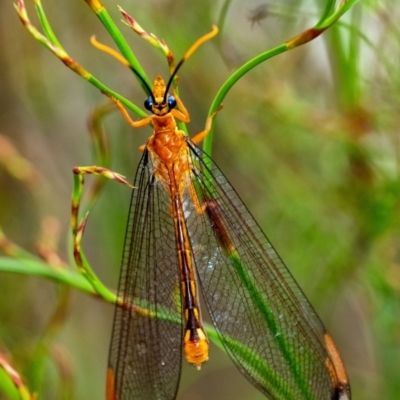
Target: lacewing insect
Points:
(187, 231)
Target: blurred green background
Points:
(309, 139)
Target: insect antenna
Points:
(122, 60)
(191, 50)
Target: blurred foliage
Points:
(310, 140)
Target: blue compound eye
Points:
(171, 102)
(148, 103)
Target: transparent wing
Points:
(264, 320)
(145, 353)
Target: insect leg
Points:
(136, 124)
(182, 114)
(196, 139)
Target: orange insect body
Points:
(167, 145)
(172, 165)
(169, 151)
(168, 148)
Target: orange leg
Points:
(136, 124)
(196, 139)
(182, 114)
